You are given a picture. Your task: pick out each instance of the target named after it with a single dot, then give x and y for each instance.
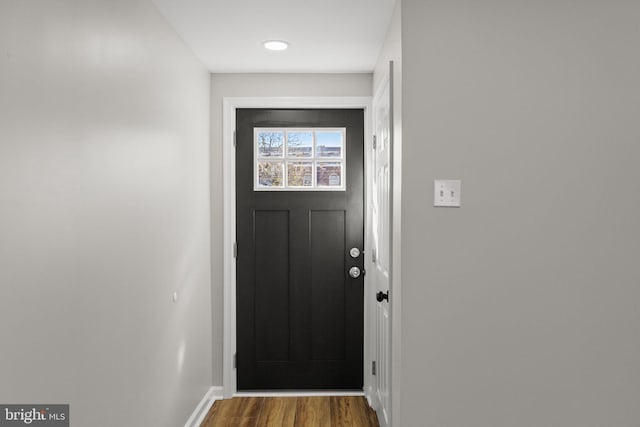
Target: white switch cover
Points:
(446, 192)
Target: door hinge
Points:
(374, 142)
(373, 367)
(235, 360)
(235, 249)
(235, 142)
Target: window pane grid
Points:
(299, 159)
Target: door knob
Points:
(354, 272)
(380, 296)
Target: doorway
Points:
(230, 108)
(300, 238)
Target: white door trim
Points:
(230, 104)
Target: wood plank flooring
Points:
(325, 411)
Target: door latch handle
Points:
(354, 272)
(380, 296)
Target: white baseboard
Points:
(369, 400)
(201, 411)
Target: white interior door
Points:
(381, 218)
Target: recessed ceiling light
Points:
(275, 45)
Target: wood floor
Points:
(334, 411)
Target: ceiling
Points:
(326, 36)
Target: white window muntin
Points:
(315, 159)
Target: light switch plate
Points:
(446, 192)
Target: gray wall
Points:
(522, 308)
(256, 85)
(104, 213)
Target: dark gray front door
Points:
(299, 311)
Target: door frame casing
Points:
(230, 104)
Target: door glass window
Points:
(295, 159)
(269, 143)
(300, 144)
(329, 144)
(329, 174)
(300, 174)
(270, 174)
